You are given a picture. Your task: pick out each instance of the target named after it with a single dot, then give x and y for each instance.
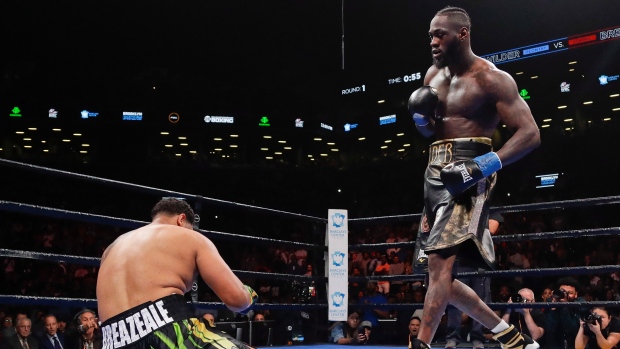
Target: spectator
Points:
(89, 333)
(603, 333)
(383, 269)
(347, 333)
(209, 319)
(372, 296)
(562, 324)
(8, 329)
(52, 339)
(258, 317)
(414, 327)
(396, 268)
(23, 338)
(546, 295)
(528, 321)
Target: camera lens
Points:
(517, 298)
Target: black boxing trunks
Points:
(456, 223)
(166, 323)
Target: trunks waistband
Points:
(138, 322)
(449, 150)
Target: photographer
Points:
(525, 320)
(351, 332)
(562, 324)
(598, 330)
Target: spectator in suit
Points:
(23, 338)
(52, 339)
(88, 335)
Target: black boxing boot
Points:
(510, 338)
(417, 344)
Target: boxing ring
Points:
(314, 309)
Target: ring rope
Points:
(94, 261)
(558, 234)
(132, 224)
(153, 190)
(92, 303)
(606, 200)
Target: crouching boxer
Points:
(144, 274)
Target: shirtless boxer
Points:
(144, 274)
(462, 102)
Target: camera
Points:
(560, 294)
(517, 298)
(592, 318)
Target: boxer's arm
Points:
(219, 277)
(514, 113)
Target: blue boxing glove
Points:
(422, 104)
(461, 175)
(253, 298)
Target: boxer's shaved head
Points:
(456, 15)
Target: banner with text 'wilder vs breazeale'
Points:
(338, 265)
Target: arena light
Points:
(19, 132)
(615, 109)
(544, 126)
(27, 139)
(309, 155)
(534, 77)
(267, 137)
(547, 120)
(606, 119)
(164, 133)
(218, 149)
(401, 150)
(182, 137)
(381, 101)
(361, 138)
(269, 157)
(56, 130)
(312, 159)
(184, 144)
(388, 141)
(83, 152)
(573, 62)
(234, 146)
(519, 73)
(567, 129)
(283, 142)
(177, 154)
(568, 120)
(77, 134)
(318, 139)
(562, 107)
(334, 150)
(217, 139)
(399, 134)
(32, 128)
(192, 152)
(331, 143)
(234, 136)
(27, 146)
(614, 95)
(571, 69)
(43, 142)
(288, 148)
(44, 150)
(264, 149)
(323, 154)
(406, 145)
(66, 140)
(383, 146)
(278, 153)
(588, 102)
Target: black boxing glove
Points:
(422, 104)
(461, 175)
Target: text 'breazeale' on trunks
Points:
(136, 326)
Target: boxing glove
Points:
(253, 298)
(461, 175)
(422, 104)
